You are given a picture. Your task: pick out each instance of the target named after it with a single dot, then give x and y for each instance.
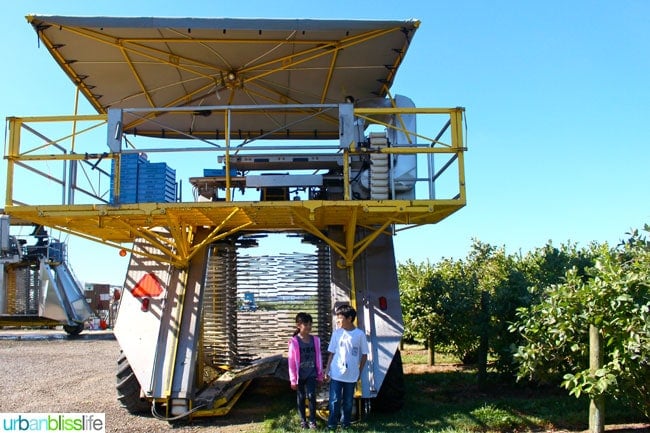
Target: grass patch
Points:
(447, 400)
(413, 354)
(451, 402)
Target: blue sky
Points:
(557, 98)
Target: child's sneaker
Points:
(303, 424)
(312, 426)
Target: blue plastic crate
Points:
(156, 184)
(128, 177)
(150, 192)
(218, 172)
(129, 161)
(134, 157)
(125, 199)
(142, 181)
(159, 197)
(157, 171)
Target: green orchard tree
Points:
(613, 296)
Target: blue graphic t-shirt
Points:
(307, 358)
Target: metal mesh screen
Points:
(23, 291)
(220, 307)
(250, 302)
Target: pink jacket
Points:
(294, 360)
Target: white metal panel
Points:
(281, 180)
(137, 331)
(51, 304)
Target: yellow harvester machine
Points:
(288, 135)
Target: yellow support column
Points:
(15, 125)
(457, 143)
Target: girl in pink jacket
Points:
(305, 368)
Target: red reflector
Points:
(147, 286)
(145, 304)
(383, 303)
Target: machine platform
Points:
(230, 90)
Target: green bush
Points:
(535, 310)
(615, 298)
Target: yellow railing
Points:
(69, 154)
(35, 150)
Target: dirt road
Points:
(46, 372)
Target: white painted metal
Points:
(61, 297)
(284, 180)
(138, 331)
(4, 235)
(403, 167)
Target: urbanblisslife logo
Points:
(53, 422)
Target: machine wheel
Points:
(73, 330)
(391, 395)
(128, 388)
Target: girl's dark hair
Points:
(302, 318)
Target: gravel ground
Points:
(46, 372)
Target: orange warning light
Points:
(122, 252)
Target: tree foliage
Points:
(443, 300)
(614, 296)
(434, 298)
(536, 310)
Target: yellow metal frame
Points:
(222, 406)
(116, 225)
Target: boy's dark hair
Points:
(346, 311)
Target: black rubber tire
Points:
(128, 388)
(73, 330)
(392, 393)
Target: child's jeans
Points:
(341, 394)
(307, 390)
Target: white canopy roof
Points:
(176, 62)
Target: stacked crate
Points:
(129, 164)
(156, 183)
(218, 172)
(143, 181)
